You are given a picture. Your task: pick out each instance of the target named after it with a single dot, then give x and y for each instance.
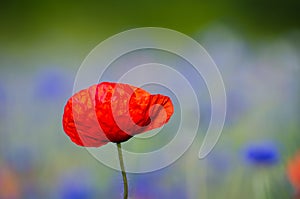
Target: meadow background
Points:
(255, 44)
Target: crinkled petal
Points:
(113, 112)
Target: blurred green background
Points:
(256, 45)
(44, 29)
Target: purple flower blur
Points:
(157, 185)
(147, 187)
(53, 84)
(264, 154)
(75, 185)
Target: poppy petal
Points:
(113, 112)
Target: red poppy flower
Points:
(294, 171)
(113, 112)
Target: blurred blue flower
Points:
(76, 185)
(264, 153)
(148, 186)
(157, 185)
(53, 84)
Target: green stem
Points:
(123, 171)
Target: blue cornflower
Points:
(262, 153)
